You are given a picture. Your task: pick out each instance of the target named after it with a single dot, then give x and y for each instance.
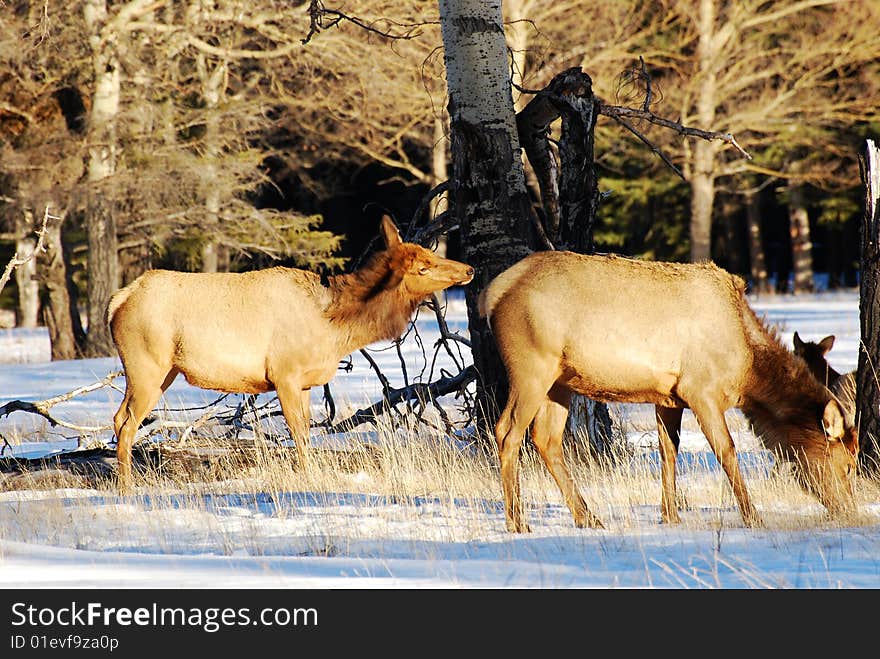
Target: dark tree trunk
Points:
(103, 279)
(578, 183)
(570, 198)
(757, 261)
(489, 195)
(867, 386)
(578, 205)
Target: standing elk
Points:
(676, 335)
(277, 329)
(842, 385)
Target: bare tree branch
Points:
(16, 261)
(418, 391)
(42, 407)
(623, 122)
(321, 18)
(616, 111)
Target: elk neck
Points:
(781, 398)
(364, 308)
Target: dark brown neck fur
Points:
(364, 308)
(782, 399)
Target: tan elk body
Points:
(276, 329)
(676, 335)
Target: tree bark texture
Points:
(868, 376)
(439, 174)
(578, 183)
(489, 197)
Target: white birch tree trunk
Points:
(489, 196)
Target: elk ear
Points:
(832, 420)
(390, 234)
(826, 344)
(798, 343)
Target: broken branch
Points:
(419, 391)
(40, 247)
(616, 111)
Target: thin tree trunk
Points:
(26, 273)
(702, 202)
(868, 375)
(440, 173)
(57, 308)
(213, 87)
(489, 198)
(103, 267)
(801, 245)
(703, 170)
(757, 261)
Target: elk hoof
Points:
(753, 521)
(589, 522)
(518, 526)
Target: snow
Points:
(355, 538)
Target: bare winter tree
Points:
(489, 195)
(868, 376)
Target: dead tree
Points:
(868, 376)
(569, 196)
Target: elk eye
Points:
(424, 270)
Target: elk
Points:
(278, 329)
(814, 354)
(842, 385)
(679, 336)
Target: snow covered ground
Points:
(347, 539)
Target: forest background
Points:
(229, 136)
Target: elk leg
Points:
(547, 429)
(138, 402)
(714, 426)
(295, 407)
(523, 402)
(669, 433)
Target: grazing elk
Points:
(842, 385)
(814, 354)
(277, 329)
(676, 335)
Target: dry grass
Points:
(410, 486)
